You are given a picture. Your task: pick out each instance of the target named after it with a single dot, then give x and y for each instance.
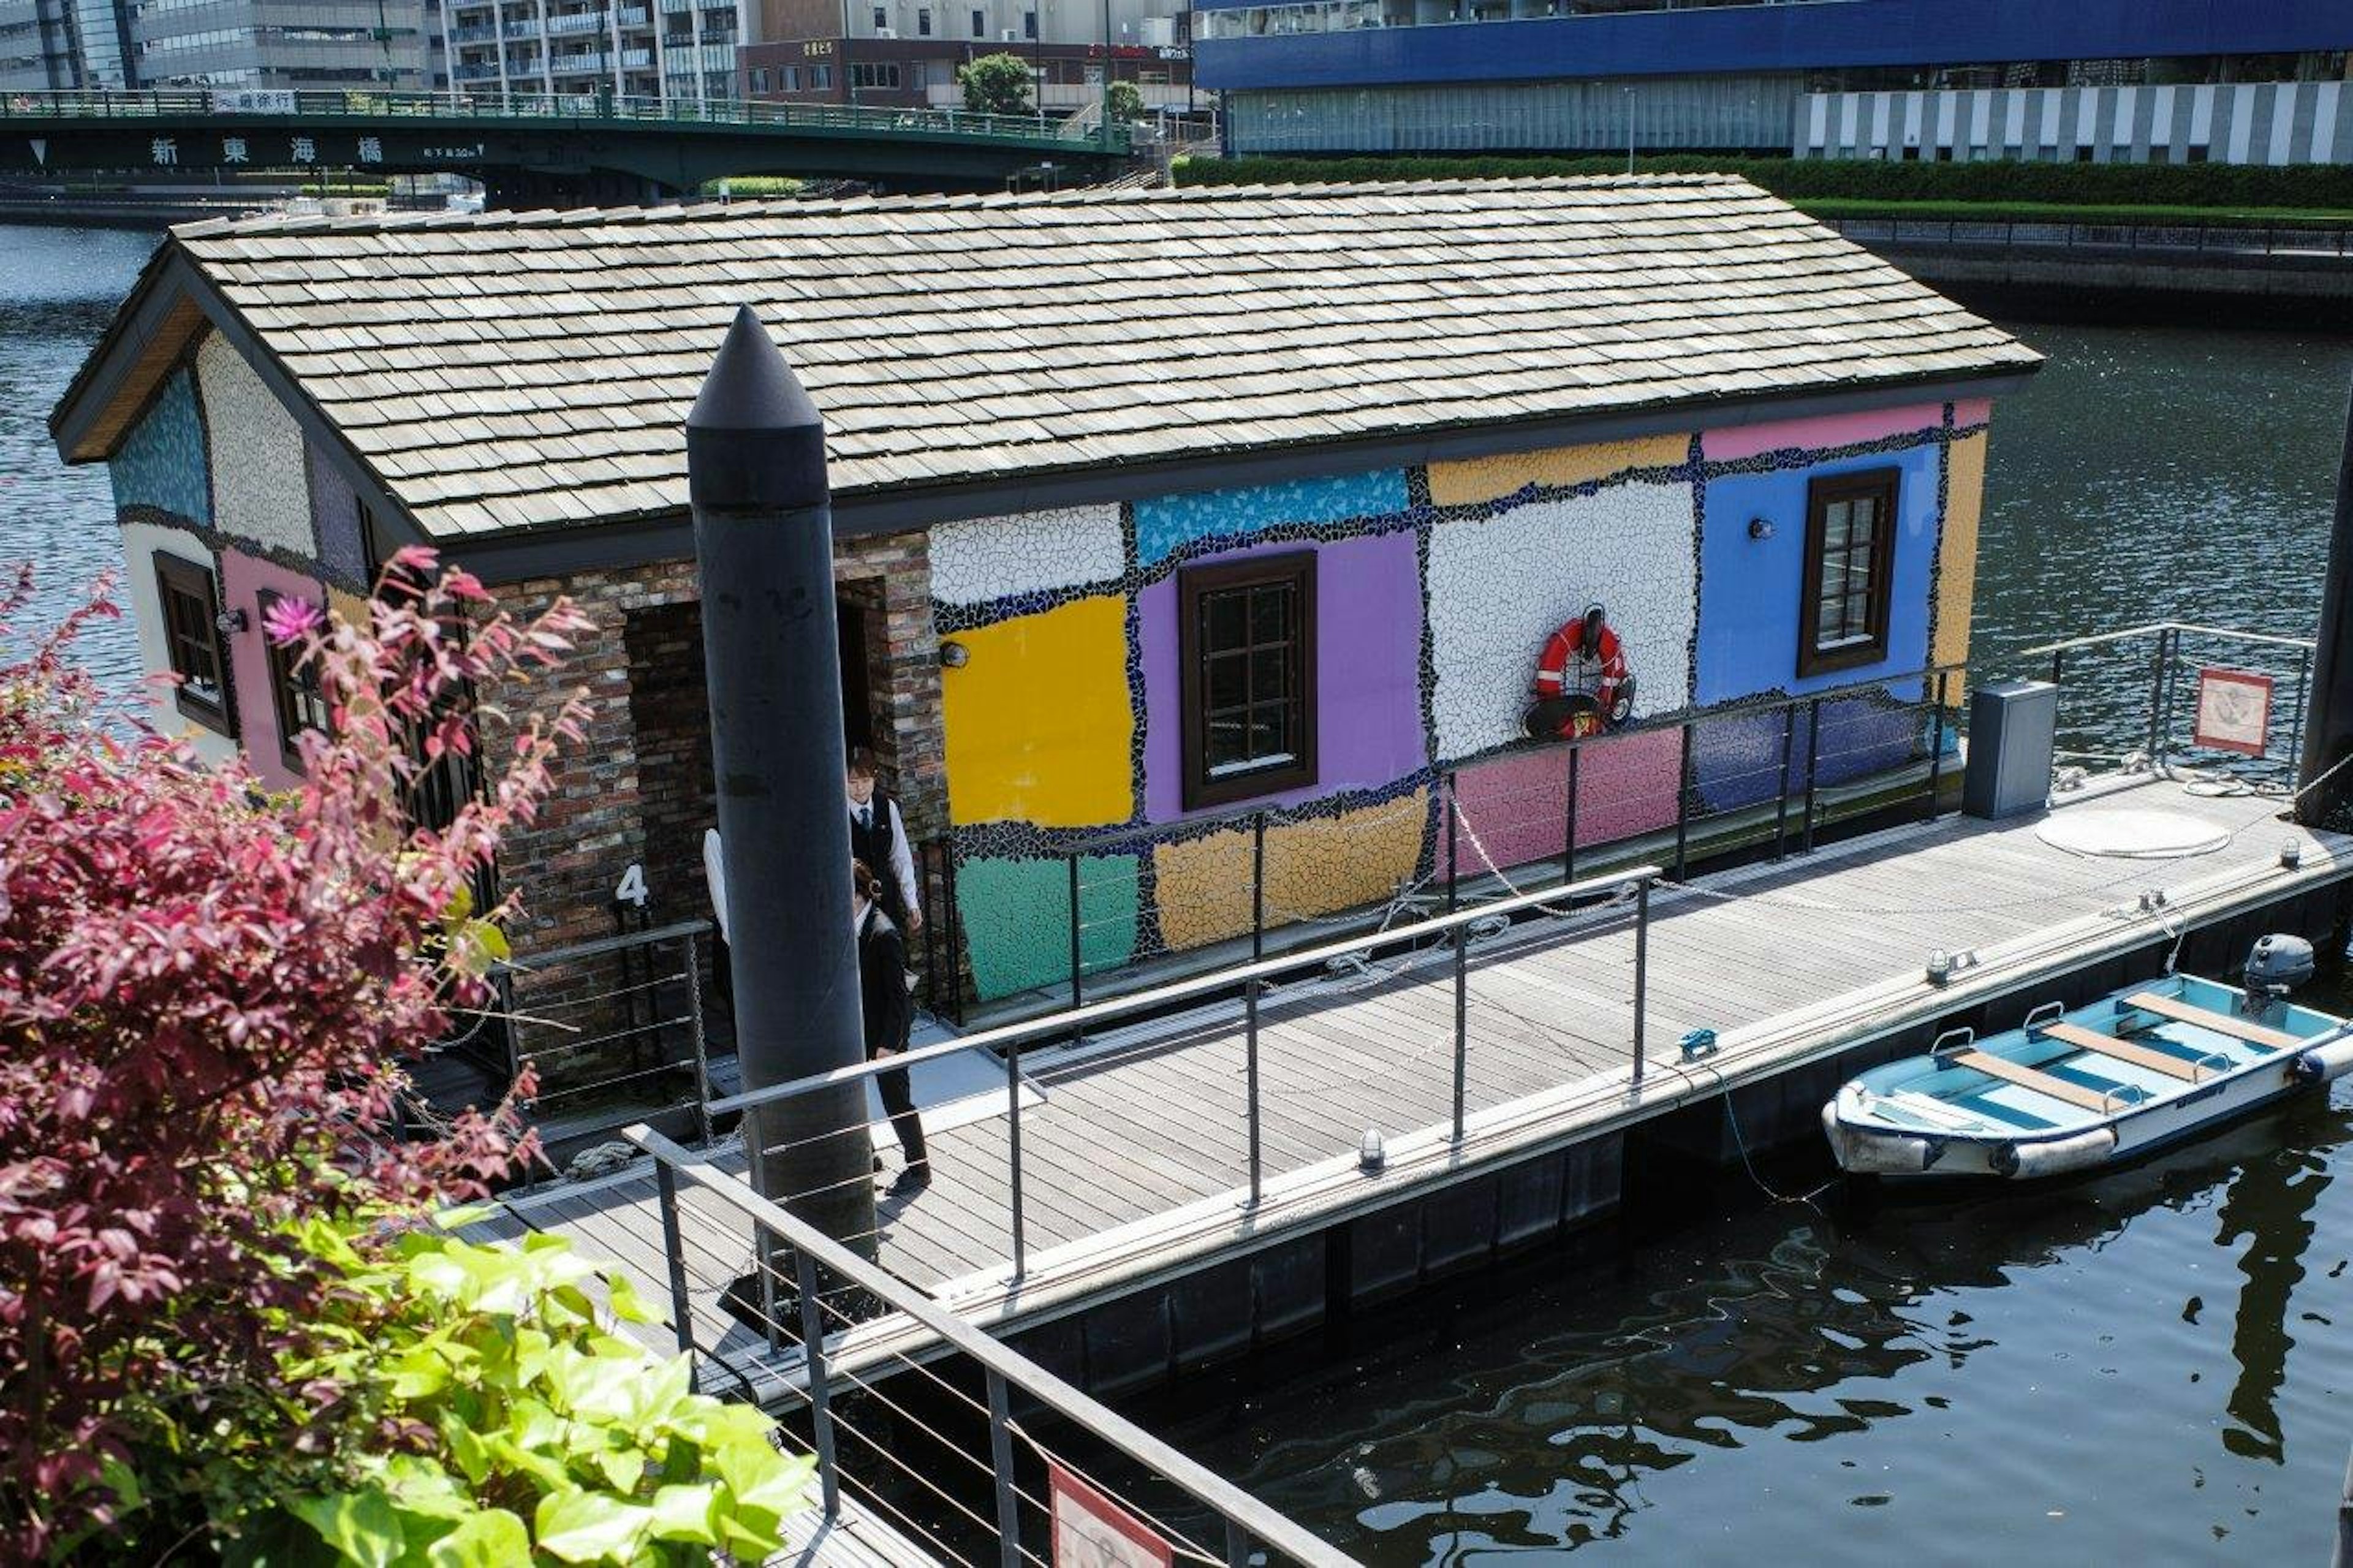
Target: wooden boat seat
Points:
(2040, 1083)
(2141, 1056)
(2181, 1012)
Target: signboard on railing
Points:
(253, 101)
(1091, 1530)
(2234, 711)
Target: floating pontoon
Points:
(2069, 1090)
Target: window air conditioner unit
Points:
(1006, 37)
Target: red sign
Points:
(2234, 711)
(1092, 1531)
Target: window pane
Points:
(1223, 619)
(1268, 739)
(1866, 519)
(1836, 518)
(1228, 681)
(1270, 674)
(1225, 742)
(1270, 614)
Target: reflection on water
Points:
(57, 288)
(2101, 1368)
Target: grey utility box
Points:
(2013, 726)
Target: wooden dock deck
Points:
(1135, 1164)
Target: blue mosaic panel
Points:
(1172, 523)
(1737, 761)
(160, 462)
(335, 516)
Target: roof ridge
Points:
(1080, 196)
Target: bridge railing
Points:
(172, 104)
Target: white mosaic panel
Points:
(260, 490)
(987, 558)
(1499, 586)
(140, 540)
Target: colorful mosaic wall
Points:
(260, 483)
(1435, 590)
(160, 467)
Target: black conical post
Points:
(2328, 722)
(763, 557)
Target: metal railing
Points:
(2223, 240)
(614, 1030)
(2286, 662)
(805, 1288)
(1252, 980)
(833, 119)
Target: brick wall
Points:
(639, 789)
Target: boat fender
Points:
(2324, 1064)
(1862, 1154)
(2052, 1156)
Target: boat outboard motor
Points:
(2276, 966)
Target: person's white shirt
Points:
(902, 868)
(716, 875)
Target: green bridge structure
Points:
(543, 151)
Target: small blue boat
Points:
(2075, 1089)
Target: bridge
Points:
(553, 151)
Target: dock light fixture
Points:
(230, 622)
(1372, 1154)
(954, 654)
(1761, 528)
(2291, 854)
(1940, 966)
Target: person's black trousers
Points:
(899, 1099)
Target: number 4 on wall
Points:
(632, 887)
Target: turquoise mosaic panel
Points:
(161, 463)
(1164, 526)
(1016, 918)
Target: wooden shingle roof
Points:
(522, 372)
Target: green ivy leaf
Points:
(493, 1538)
(684, 1513)
(589, 1527)
(625, 1304)
(361, 1526)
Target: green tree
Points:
(1126, 103)
(996, 84)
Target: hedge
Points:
(2304, 185)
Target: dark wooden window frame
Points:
(188, 597)
(1196, 584)
(291, 689)
(1882, 485)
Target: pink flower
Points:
(291, 620)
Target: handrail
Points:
(1213, 982)
(605, 944)
(1263, 1523)
(2097, 640)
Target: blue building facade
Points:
(1780, 76)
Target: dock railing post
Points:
(1683, 802)
(1013, 1148)
(2157, 698)
(1257, 887)
(1238, 1544)
(1641, 972)
(701, 1040)
(1000, 1458)
(820, 1406)
(1781, 796)
(1813, 757)
(1250, 1063)
(1452, 857)
(1568, 829)
(681, 1305)
(1937, 747)
(2303, 706)
(1461, 936)
(1077, 960)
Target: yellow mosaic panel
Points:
(1485, 479)
(1957, 555)
(1039, 722)
(1313, 868)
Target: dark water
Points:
(58, 287)
(2152, 1366)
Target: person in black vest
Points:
(882, 998)
(879, 838)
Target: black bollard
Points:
(2328, 722)
(764, 558)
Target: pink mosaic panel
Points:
(1737, 441)
(1626, 785)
